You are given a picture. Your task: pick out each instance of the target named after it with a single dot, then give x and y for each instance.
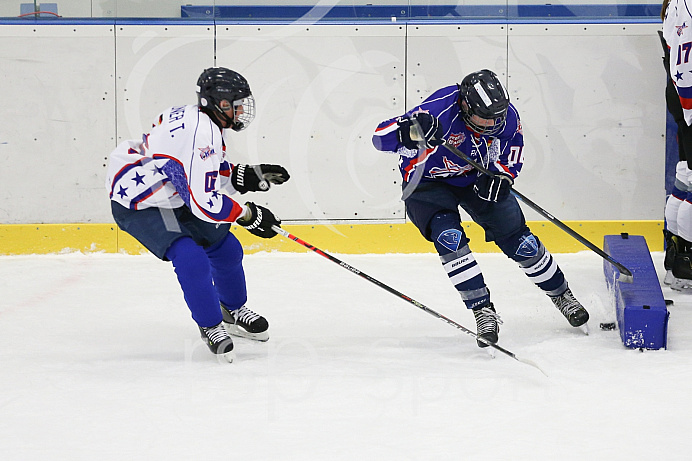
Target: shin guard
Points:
(458, 261)
(194, 275)
(226, 259)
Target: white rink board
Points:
(158, 67)
(442, 54)
(321, 90)
(57, 123)
(590, 97)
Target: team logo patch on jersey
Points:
(450, 239)
(456, 139)
(681, 29)
(528, 246)
(450, 169)
(205, 152)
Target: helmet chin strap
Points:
(220, 118)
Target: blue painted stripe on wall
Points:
(196, 14)
(365, 12)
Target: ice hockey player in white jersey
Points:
(677, 33)
(170, 190)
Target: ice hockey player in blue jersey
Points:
(171, 191)
(477, 118)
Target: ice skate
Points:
(671, 241)
(487, 324)
(244, 323)
(669, 278)
(572, 309)
(682, 273)
(218, 340)
(681, 285)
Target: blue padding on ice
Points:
(641, 309)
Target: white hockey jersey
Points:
(181, 161)
(677, 32)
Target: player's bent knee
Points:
(228, 249)
(521, 246)
(188, 258)
(447, 233)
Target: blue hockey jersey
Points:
(500, 153)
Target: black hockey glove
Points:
(493, 188)
(420, 130)
(256, 178)
(260, 221)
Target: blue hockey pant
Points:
(207, 258)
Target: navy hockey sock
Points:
(194, 275)
(226, 259)
(536, 262)
(462, 269)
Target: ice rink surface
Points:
(101, 360)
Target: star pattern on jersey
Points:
(122, 192)
(214, 195)
(157, 170)
(138, 179)
(678, 76)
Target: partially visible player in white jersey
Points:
(170, 190)
(677, 34)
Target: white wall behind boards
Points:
(590, 97)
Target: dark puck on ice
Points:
(607, 326)
(669, 302)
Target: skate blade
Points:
(235, 330)
(491, 351)
(681, 285)
(669, 278)
(584, 328)
(227, 357)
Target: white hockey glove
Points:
(257, 178)
(494, 188)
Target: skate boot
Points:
(682, 272)
(671, 242)
(487, 324)
(245, 323)
(219, 342)
(573, 311)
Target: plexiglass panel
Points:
(347, 10)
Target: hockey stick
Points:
(417, 172)
(447, 320)
(625, 274)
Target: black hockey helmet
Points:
(482, 94)
(218, 84)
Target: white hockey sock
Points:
(684, 218)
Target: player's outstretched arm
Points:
(257, 178)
